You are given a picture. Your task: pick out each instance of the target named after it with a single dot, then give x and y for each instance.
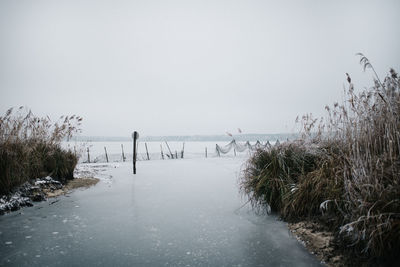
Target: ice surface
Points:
(171, 213)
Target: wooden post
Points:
(123, 155)
(147, 152)
(88, 155)
(162, 153)
(105, 150)
(172, 155)
(176, 154)
(183, 150)
(216, 148)
(206, 152)
(234, 152)
(135, 136)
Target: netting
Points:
(117, 152)
(241, 147)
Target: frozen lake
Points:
(171, 213)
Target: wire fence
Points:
(92, 152)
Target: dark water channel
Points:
(172, 213)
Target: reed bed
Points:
(30, 148)
(346, 171)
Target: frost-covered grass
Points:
(30, 148)
(344, 171)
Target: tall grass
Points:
(371, 170)
(270, 174)
(30, 148)
(352, 182)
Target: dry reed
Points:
(353, 182)
(30, 148)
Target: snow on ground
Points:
(28, 192)
(95, 170)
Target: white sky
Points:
(189, 67)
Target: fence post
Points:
(147, 152)
(105, 150)
(172, 155)
(135, 136)
(162, 154)
(206, 152)
(183, 150)
(123, 155)
(88, 155)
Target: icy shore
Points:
(40, 189)
(29, 192)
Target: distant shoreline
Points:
(192, 138)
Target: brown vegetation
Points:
(344, 171)
(71, 185)
(30, 148)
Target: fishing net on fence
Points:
(142, 155)
(242, 147)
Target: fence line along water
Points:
(160, 150)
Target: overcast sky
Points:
(189, 67)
